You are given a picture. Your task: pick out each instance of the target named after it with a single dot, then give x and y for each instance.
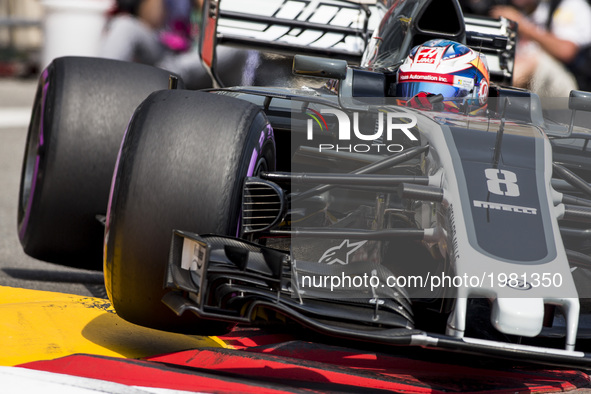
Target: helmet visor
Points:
(410, 89)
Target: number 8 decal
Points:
(494, 182)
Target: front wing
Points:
(233, 280)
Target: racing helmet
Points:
(444, 67)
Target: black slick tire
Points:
(80, 113)
(182, 165)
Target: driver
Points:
(444, 75)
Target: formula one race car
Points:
(367, 207)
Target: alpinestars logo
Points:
(340, 254)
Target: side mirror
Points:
(320, 67)
(578, 100)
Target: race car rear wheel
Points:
(80, 113)
(182, 166)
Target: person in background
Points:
(478, 7)
(161, 33)
(550, 34)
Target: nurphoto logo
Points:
(378, 139)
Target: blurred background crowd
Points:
(553, 56)
(553, 53)
(163, 33)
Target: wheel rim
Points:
(261, 166)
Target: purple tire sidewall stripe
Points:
(25, 221)
(112, 190)
(253, 162)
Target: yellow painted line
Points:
(40, 325)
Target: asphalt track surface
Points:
(16, 268)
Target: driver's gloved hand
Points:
(428, 101)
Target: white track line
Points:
(14, 117)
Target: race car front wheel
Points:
(182, 165)
(80, 113)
